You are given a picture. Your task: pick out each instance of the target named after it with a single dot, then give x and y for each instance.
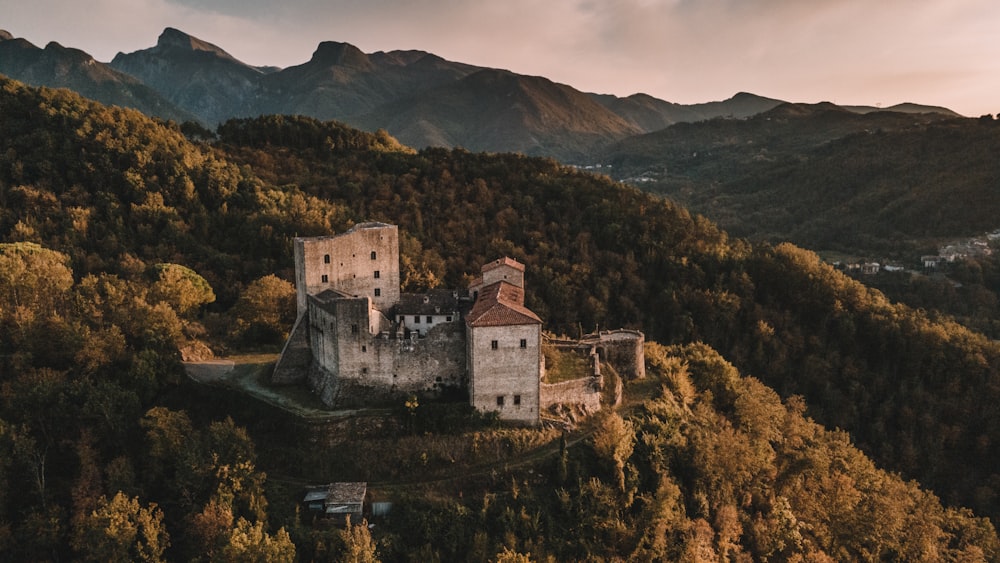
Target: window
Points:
(517, 400)
(354, 329)
(373, 255)
(494, 344)
(377, 274)
(378, 292)
(524, 343)
(448, 318)
(430, 319)
(326, 258)
(364, 348)
(364, 371)
(499, 400)
(416, 319)
(326, 278)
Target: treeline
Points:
(712, 467)
(145, 228)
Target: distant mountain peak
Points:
(341, 54)
(5, 35)
(68, 53)
(176, 39)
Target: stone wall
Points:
(296, 357)
(623, 349)
(377, 368)
(585, 392)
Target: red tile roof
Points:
(501, 304)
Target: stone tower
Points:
(504, 341)
(362, 262)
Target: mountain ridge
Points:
(410, 93)
(56, 66)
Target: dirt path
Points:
(250, 375)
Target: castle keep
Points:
(358, 339)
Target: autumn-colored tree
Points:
(121, 529)
(180, 287)
(250, 542)
(359, 547)
(614, 440)
(265, 311)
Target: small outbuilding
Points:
(338, 500)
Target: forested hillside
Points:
(123, 240)
(882, 183)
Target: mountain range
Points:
(418, 97)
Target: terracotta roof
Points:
(501, 304)
(505, 261)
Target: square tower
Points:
(504, 340)
(362, 262)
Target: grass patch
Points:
(565, 365)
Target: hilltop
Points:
(150, 241)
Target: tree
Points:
(32, 278)
(359, 547)
(614, 440)
(251, 543)
(180, 287)
(265, 311)
(509, 556)
(122, 530)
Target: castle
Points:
(359, 339)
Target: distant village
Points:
(975, 247)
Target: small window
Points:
(401, 318)
(448, 318)
(373, 255)
(377, 274)
(430, 319)
(326, 278)
(494, 344)
(354, 329)
(524, 343)
(378, 292)
(416, 319)
(499, 400)
(364, 371)
(517, 400)
(364, 348)
(326, 258)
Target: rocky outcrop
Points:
(195, 75)
(56, 66)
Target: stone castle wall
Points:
(623, 349)
(585, 392)
(377, 368)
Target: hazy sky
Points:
(937, 52)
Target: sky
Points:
(849, 52)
